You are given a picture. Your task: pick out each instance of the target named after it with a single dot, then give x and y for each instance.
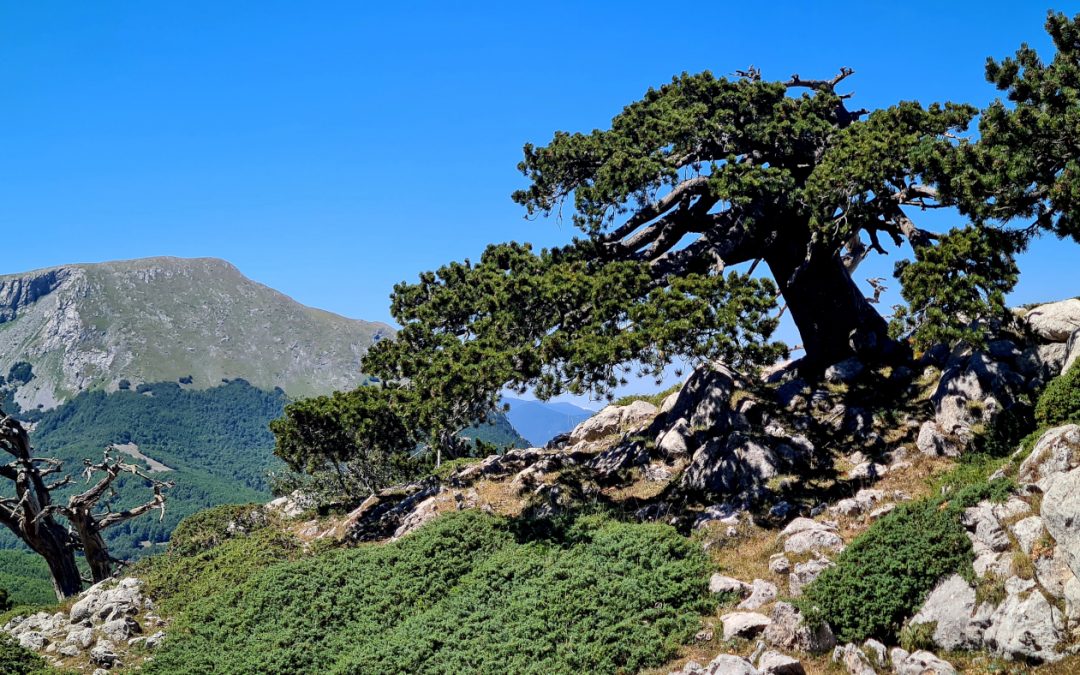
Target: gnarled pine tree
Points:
(30, 512)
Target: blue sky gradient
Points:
(332, 149)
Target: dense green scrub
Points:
(1060, 401)
(25, 577)
(885, 574)
(467, 593)
(14, 660)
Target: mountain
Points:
(540, 421)
(93, 326)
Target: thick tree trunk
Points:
(50, 542)
(834, 318)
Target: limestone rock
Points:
(1055, 321)
(779, 564)
(1072, 351)
(1027, 532)
(845, 372)
(613, 420)
(803, 535)
(853, 659)
(980, 521)
(1025, 626)
(775, 663)
(806, 572)
(743, 624)
(718, 583)
(789, 632)
(952, 605)
(761, 593)
(1060, 511)
(876, 651)
(920, 663)
(1057, 451)
(725, 664)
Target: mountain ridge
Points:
(87, 326)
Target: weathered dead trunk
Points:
(50, 541)
(834, 318)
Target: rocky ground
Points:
(775, 478)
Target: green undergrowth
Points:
(655, 399)
(467, 593)
(1060, 401)
(14, 660)
(884, 575)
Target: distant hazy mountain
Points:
(539, 421)
(88, 327)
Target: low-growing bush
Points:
(467, 593)
(883, 576)
(207, 529)
(1060, 401)
(14, 660)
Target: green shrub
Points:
(1060, 401)
(656, 399)
(466, 593)
(919, 636)
(884, 575)
(14, 660)
(207, 529)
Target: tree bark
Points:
(834, 318)
(51, 543)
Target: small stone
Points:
(877, 651)
(718, 583)
(805, 573)
(779, 564)
(761, 593)
(775, 663)
(743, 624)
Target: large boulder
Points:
(614, 420)
(725, 664)
(736, 464)
(1025, 626)
(920, 663)
(775, 663)
(1056, 452)
(761, 593)
(804, 535)
(1061, 516)
(1055, 321)
(951, 606)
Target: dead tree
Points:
(30, 512)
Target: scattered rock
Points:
(920, 663)
(725, 664)
(1060, 507)
(1027, 532)
(853, 659)
(789, 632)
(845, 372)
(103, 655)
(762, 593)
(718, 583)
(1025, 626)
(775, 663)
(806, 572)
(743, 624)
(985, 528)
(614, 420)
(779, 564)
(803, 535)
(292, 505)
(33, 640)
(876, 651)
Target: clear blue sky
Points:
(331, 149)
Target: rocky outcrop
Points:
(788, 631)
(103, 624)
(951, 608)
(1055, 321)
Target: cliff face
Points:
(157, 319)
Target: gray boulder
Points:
(1055, 321)
(775, 663)
(920, 663)
(1072, 351)
(1027, 532)
(951, 605)
(743, 624)
(980, 521)
(614, 420)
(1025, 626)
(789, 632)
(845, 372)
(718, 583)
(1060, 511)
(806, 572)
(761, 593)
(853, 660)
(1056, 452)
(803, 535)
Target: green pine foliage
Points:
(1060, 401)
(467, 593)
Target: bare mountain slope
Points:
(157, 319)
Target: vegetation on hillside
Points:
(467, 593)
